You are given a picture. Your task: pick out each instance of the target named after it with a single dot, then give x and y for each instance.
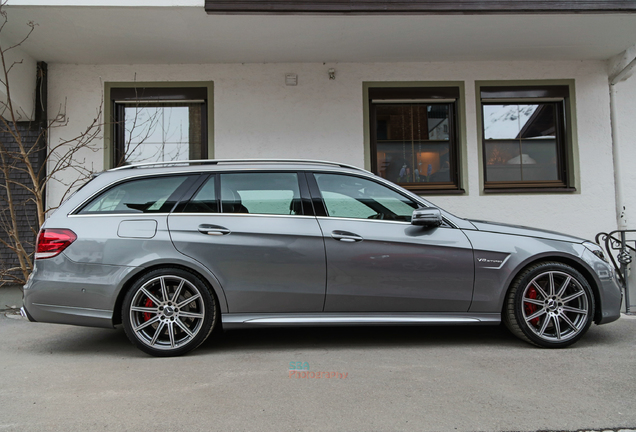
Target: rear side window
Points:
(148, 195)
(261, 193)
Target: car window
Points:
(261, 193)
(148, 195)
(354, 197)
(205, 199)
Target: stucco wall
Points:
(22, 78)
(256, 115)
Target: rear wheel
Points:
(168, 312)
(550, 305)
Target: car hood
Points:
(523, 231)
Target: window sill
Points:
(541, 190)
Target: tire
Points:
(550, 305)
(159, 319)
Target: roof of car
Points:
(241, 163)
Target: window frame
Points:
(560, 94)
(170, 91)
(421, 92)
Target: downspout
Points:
(621, 219)
(614, 79)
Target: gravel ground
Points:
(55, 377)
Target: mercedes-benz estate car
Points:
(174, 251)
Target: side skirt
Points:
(240, 320)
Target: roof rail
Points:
(221, 161)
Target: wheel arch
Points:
(576, 264)
(133, 276)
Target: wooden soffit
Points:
(386, 7)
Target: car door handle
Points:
(213, 230)
(346, 236)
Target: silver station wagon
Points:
(176, 250)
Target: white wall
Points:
(22, 80)
(256, 115)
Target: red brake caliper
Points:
(531, 308)
(147, 315)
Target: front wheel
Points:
(168, 312)
(550, 305)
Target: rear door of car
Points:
(256, 232)
(377, 261)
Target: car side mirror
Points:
(428, 217)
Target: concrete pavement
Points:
(55, 377)
(10, 297)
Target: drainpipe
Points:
(618, 183)
(614, 79)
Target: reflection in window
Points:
(161, 132)
(521, 142)
(149, 195)
(354, 197)
(413, 142)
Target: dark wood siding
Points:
(33, 137)
(417, 6)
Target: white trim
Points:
(110, 3)
(173, 214)
(147, 215)
(327, 218)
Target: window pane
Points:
(522, 160)
(157, 152)
(519, 121)
(262, 193)
(414, 162)
(406, 122)
(205, 200)
(339, 205)
(541, 161)
(354, 197)
(521, 143)
(414, 143)
(138, 196)
(500, 161)
(157, 132)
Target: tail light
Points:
(53, 241)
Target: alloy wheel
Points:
(167, 312)
(555, 306)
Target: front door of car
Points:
(377, 261)
(252, 232)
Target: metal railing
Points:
(620, 245)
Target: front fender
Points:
(499, 258)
